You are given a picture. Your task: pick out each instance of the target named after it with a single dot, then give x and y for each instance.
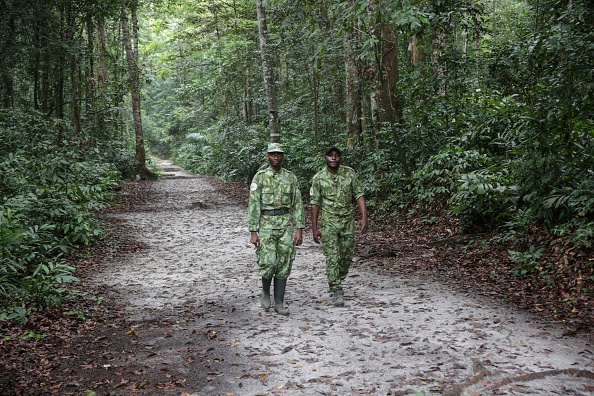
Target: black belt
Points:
(275, 212)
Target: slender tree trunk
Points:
(268, 74)
(439, 46)
(376, 101)
(414, 50)
(386, 100)
(134, 80)
(90, 69)
(74, 89)
(352, 87)
(59, 90)
(247, 106)
(37, 67)
(69, 34)
(44, 60)
(316, 100)
(6, 40)
(102, 77)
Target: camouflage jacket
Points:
(275, 190)
(336, 195)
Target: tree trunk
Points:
(102, 76)
(45, 85)
(44, 60)
(90, 69)
(141, 170)
(352, 87)
(439, 47)
(247, 103)
(6, 81)
(268, 74)
(386, 100)
(74, 91)
(316, 99)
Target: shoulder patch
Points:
(311, 191)
(253, 187)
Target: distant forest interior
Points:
(479, 112)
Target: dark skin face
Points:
(332, 161)
(275, 159)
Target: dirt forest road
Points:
(194, 325)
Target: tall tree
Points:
(130, 40)
(268, 74)
(386, 105)
(354, 124)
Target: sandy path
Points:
(193, 302)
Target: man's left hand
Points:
(363, 225)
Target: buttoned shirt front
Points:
(272, 190)
(336, 194)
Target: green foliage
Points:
(44, 288)
(437, 180)
(381, 173)
(49, 190)
(16, 314)
(230, 151)
(526, 261)
(484, 199)
(30, 334)
(118, 157)
(495, 104)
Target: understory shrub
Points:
(436, 181)
(227, 150)
(50, 189)
(484, 199)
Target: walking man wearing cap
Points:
(275, 207)
(335, 191)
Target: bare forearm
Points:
(363, 209)
(315, 214)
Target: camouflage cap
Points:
(275, 148)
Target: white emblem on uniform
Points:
(311, 191)
(253, 187)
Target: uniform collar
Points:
(333, 174)
(273, 172)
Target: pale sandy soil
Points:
(192, 298)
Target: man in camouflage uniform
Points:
(275, 206)
(334, 191)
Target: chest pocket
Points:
(338, 191)
(285, 196)
(346, 191)
(276, 196)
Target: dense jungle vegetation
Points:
(482, 109)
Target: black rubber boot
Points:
(279, 296)
(338, 298)
(265, 298)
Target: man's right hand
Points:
(317, 235)
(255, 239)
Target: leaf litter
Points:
(180, 314)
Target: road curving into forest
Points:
(193, 324)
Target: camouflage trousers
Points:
(338, 242)
(275, 253)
